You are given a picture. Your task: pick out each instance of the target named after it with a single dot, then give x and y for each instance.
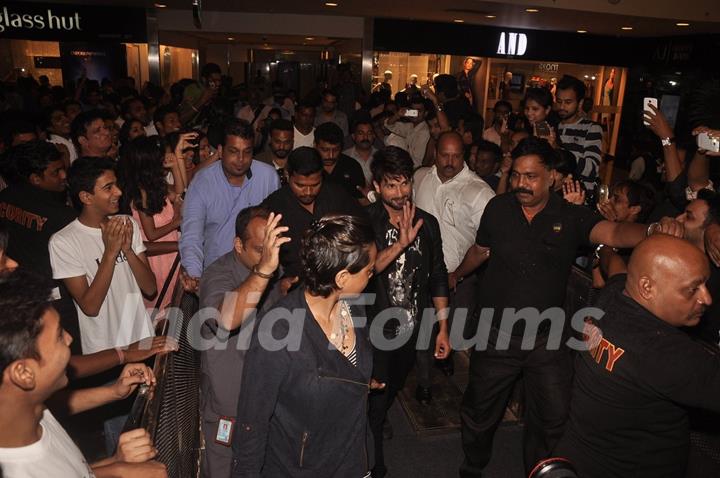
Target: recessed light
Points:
(626, 28)
(331, 4)
(231, 38)
(490, 16)
(582, 31)
(160, 5)
(532, 10)
(682, 24)
(309, 38)
(457, 20)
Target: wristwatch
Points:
(667, 141)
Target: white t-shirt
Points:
(76, 250)
(55, 455)
(300, 139)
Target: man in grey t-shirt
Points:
(235, 285)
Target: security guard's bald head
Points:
(667, 276)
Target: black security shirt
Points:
(349, 175)
(31, 216)
(332, 199)
(627, 412)
(530, 263)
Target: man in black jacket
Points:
(410, 276)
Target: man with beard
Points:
(329, 112)
(363, 151)
(530, 236)
(338, 167)
(410, 275)
(307, 197)
(639, 372)
(280, 143)
(579, 135)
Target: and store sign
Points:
(60, 22)
(414, 36)
(512, 44)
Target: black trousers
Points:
(548, 377)
(392, 368)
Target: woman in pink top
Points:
(142, 173)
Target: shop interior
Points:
(36, 58)
(498, 78)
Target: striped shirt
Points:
(584, 140)
(352, 356)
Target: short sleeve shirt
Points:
(530, 262)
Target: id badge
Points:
(225, 431)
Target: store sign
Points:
(60, 22)
(549, 67)
(512, 44)
(49, 20)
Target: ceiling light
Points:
(309, 38)
(331, 4)
(626, 28)
(532, 10)
(682, 24)
(582, 31)
(490, 16)
(457, 20)
(160, 5)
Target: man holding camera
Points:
(409, 124)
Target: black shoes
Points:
(423, 395)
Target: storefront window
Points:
(487, 80)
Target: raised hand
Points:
(574, 193)
(408, 232)
(270, 258)
(607, 211)
(657, 123)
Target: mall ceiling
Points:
(639, 18)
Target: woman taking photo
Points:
(538, 106)
(303, 409)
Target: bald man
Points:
(628, 414)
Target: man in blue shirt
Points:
(215, 197)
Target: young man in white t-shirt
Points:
(36, 351)
(101, 259)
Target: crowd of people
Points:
(279, 213)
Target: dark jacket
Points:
(432, 276)
(302, 413)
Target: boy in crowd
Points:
(101, 260)
(34, 352)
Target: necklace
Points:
(338, 337)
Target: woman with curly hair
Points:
(146, 195)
